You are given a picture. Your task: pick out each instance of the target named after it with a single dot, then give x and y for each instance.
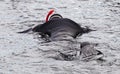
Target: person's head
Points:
(54, 16)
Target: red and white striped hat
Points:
(51, 14)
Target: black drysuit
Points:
(59, 28)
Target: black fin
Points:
(87, 30)
(84, 44)
(99, 52)
(25, 31)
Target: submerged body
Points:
(61, 28)
(58, 28)
(65, 31)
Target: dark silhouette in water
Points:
(57, 26)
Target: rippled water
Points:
(21, 53)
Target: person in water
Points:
(57, 28)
